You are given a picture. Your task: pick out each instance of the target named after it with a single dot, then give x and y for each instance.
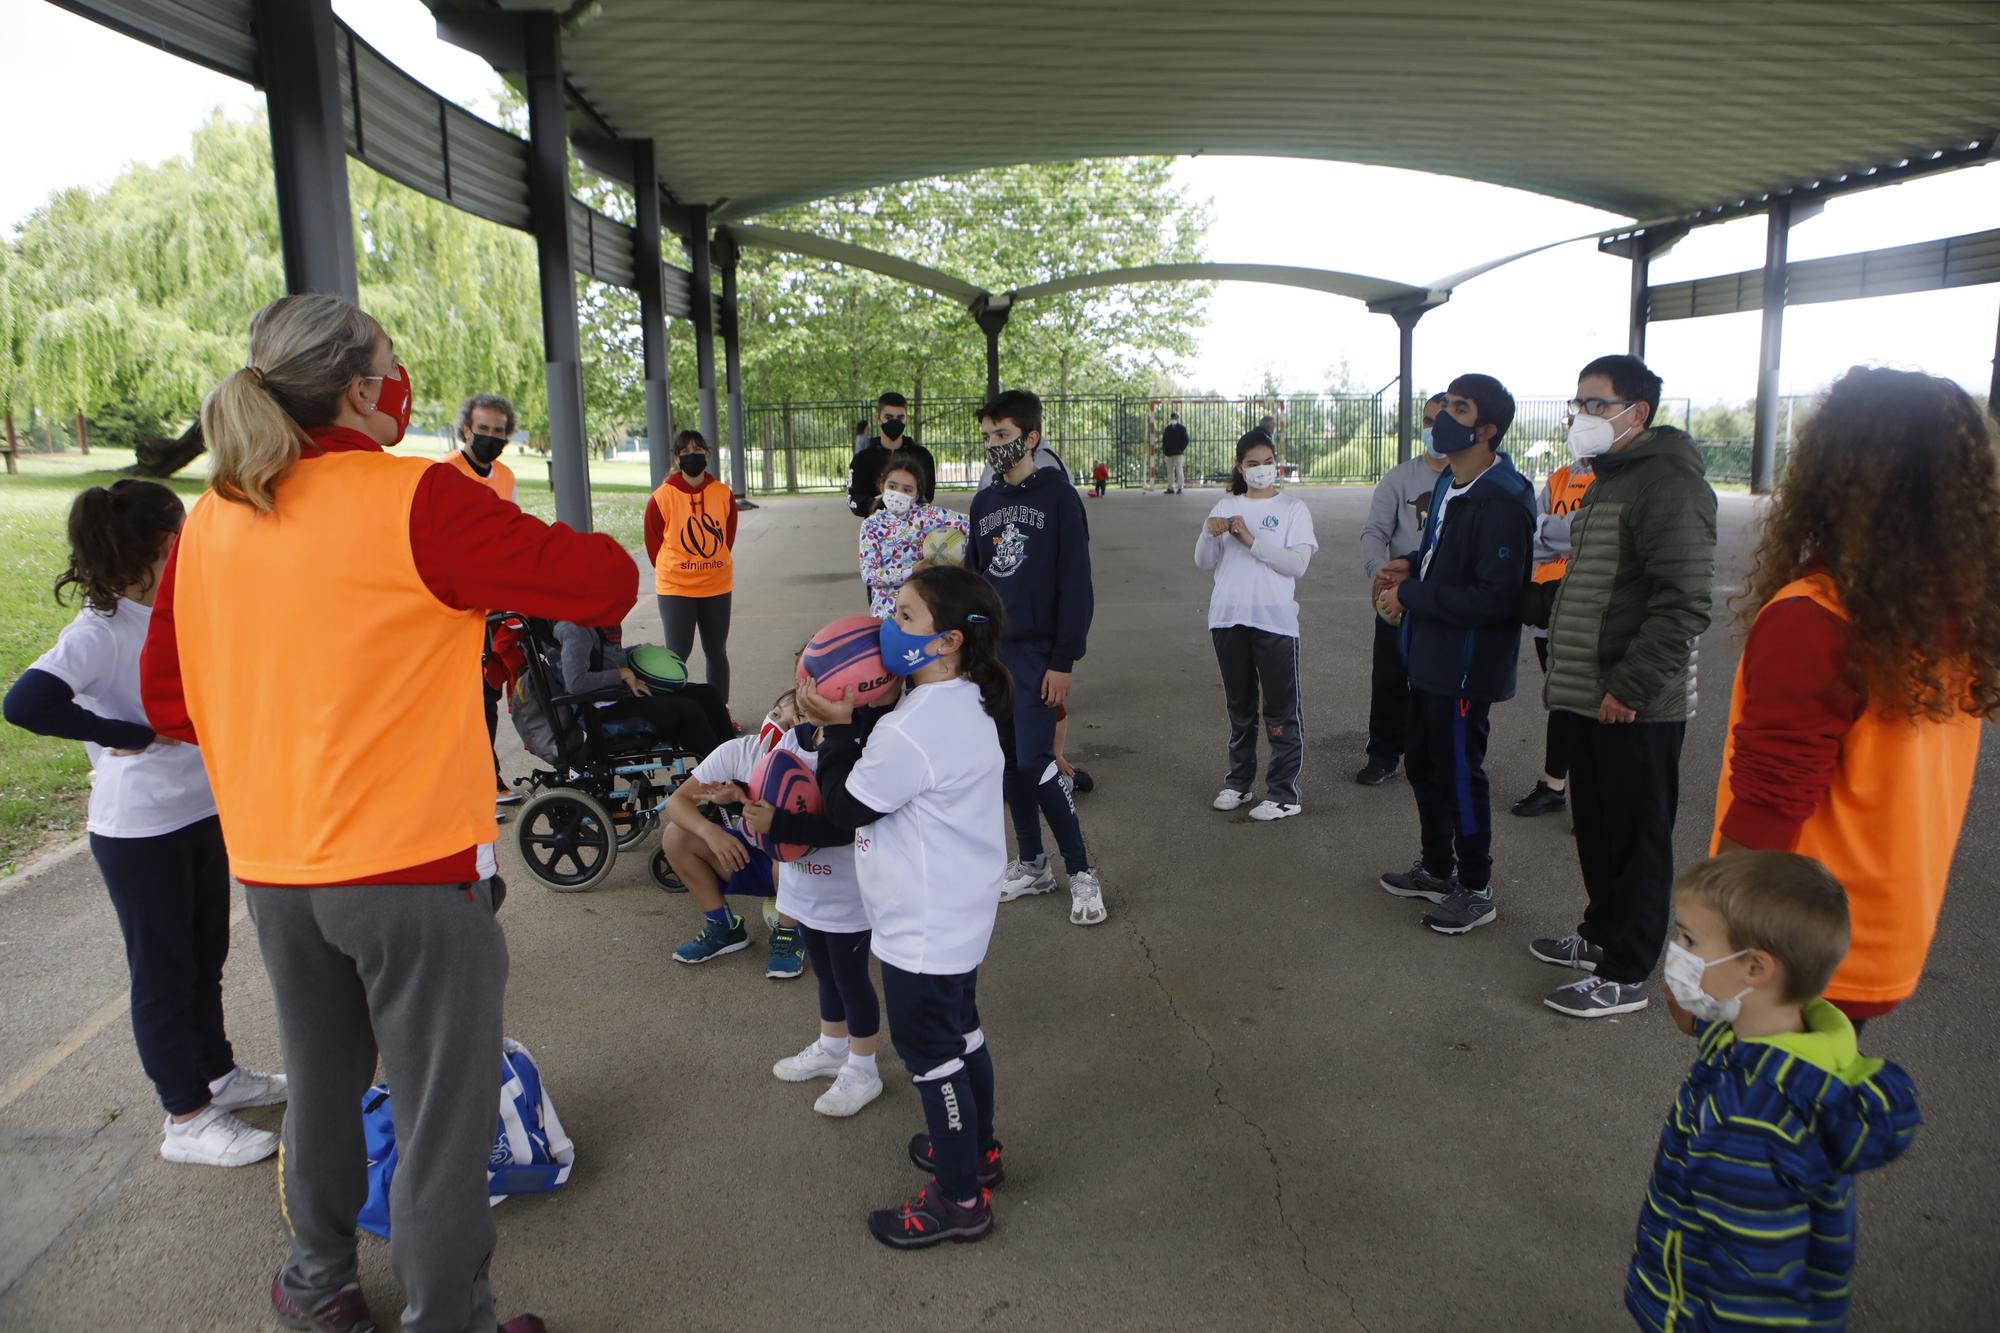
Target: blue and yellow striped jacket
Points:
(1749, 1219)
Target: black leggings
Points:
(680, 617)
(846, 995)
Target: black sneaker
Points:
(1543, 800)
(990, 1172)
(1569, 951)
(1464, 910)
(1417, 882)
(925, 1219)
(1375, 774)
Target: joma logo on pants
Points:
(952, 1119)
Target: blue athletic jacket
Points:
(1749, 1219)
(1462, 636)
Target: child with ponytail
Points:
(923, 794)
(153, 826)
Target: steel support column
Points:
(652, 317)
(548, 214)
(990, 313)
(1635, 332)
(296, 45)
(703, 301)
(732, 370)
(1764, 445)
(1993, 393)
(1406, 341)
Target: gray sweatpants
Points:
(1257, 662)
(416, 971)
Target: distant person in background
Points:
(1397, 515)
(691, 541)
(1273, 426)
(1561, 494)
(1873, 658)
(1174, 447)
(485, 424)
(864, 483)
(1100, 475)
(860, 435)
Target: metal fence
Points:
(1323, 438)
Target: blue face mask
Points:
(902, 652)
(1430, 436)
(1449, 436)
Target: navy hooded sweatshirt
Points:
(1031, 543)
(1462, 636)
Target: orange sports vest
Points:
(695, 559)
(1886, 828)
(1565, 494)
(500, 481)
(337, 700)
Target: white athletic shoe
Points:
(853, 1088)
(242, 1087)
(215, 1138)
(815, 1061)
(1228, 799)
(1024, 878)
(1267, 811)
(1086, 899)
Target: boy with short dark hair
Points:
(1031, 543)
(1749, 1218)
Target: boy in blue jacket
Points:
(1749, 1218)
(1030, 542)
(1458, 596)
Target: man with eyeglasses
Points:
(1622, 642)
(1397, 513)
(864, 481)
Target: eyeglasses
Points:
(1595, 407)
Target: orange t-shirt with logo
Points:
(697, 529)
(500, 480)
(1566, 490)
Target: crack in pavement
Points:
(1153, 974)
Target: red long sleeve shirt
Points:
(475, 552)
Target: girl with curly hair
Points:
(1873, 656)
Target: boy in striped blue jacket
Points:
(1749, 1219)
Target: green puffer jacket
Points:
(1636, 599)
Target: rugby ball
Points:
(782, 779)
(945, 545)
(844, 661)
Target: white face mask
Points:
(897, 503)
(1260, 476)
(1683, 974)
(1590, 436)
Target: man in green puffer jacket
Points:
(1622, 641)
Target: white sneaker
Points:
(242, 1087)
(1228, 799)
(1024, 878)
(853, 1088)
(1269, 810)
(1086, 899)
(815, 1061)
(215, 1138)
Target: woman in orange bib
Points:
(317, 631)
(1874, 654)
(691, 540)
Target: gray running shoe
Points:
(1596, 997)
(1417, 882)
(1462, 911)
(1569, 951)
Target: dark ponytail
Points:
(115, 535)
(960, 600)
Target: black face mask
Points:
(485, 448)
(693, 463)
(892, 428)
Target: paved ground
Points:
(1260, 1096)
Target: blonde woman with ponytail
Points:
(317, 630)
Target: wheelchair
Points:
(609, 784)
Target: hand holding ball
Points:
(782, 781)
(844, 662)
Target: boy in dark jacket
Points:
(1029, 541)
(1749, 1217)
(1458, 596)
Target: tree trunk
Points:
(82, 436)
(13, 447)
(162, 458)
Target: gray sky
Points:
(83, 101)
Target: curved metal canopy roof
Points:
(1647, 110)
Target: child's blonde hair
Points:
(1788, 905)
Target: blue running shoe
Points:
(713, 942)
(788, 954)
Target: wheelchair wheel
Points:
(566, 840)
(663, 874)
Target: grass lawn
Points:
(44, 783)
